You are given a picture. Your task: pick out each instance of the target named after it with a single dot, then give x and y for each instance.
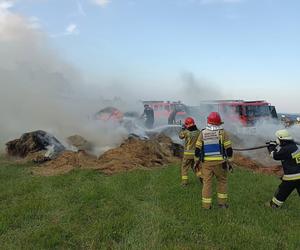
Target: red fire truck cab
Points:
(246, 113)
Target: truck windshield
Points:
(257, 111)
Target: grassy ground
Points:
(139, 210)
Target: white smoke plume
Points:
(41, 91)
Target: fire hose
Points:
(229, 164)
(248, 149)
(258, 147)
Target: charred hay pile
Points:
(133, 153)
(34, 144)
(78, 142)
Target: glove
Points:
(227, 166)
(183, 127)
(224, 165)
(272, 146)
(198, 153)
(230, 160)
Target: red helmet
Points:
(189, 122)
(214, 118)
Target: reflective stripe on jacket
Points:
(190, 138)
(213, 144)
(289, 155)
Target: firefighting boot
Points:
(223, 206)
(184, 180)
(271, 204)
(207, 207)
(206, 203)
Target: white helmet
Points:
(282, 116)
(283, 134)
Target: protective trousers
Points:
(186, 164)
(284, 190)
(149, 123)
(209, 170)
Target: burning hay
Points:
(133, 153)
(79, 143)
(33, 142)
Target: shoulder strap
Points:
(221, 134)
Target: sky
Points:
(247, 49)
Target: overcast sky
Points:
(248, 48)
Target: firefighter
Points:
(287, 122)
(148, 115)
(285, 150)
(172, 116)
(213, 149)
(190, 134)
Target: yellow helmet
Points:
(283, 134)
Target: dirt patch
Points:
(133, 153)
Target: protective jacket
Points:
(149, 113)
(289, 155)
(172, 117)
(190, 136)
(213, 144)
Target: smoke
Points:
(259, 135)
(194, 90)
(39, 90)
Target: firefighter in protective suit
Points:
(190, 134)
(213, 149)
(289, 154)
(148, 115)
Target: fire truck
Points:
(109, 114)
(238, 113)
(173, 112)
(241, 114)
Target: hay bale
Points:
(79, 142)
(33, 142)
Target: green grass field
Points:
(139, 210)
